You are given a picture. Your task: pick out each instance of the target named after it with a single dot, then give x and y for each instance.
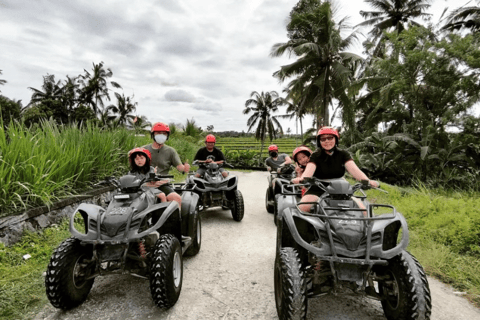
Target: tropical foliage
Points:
(322, 72)
(263, 105)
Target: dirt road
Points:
(232, 278)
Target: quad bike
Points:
(134, 235)
(341, 248)
(282, 178)
(215, 190)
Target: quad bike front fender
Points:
(167, 213)
(283, 202)
(228, 184)
(383, 243)
(189, 205)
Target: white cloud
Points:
(180, 59)
(179, 95)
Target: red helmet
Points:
(132, 153)
(273, 147)
(327, 130)
(160, 126)
(210, 138)
(303, 149)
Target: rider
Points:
(209, 154)
(328, 162)
(139, 159)
(163, 157)
(301, 156)
(276, 161)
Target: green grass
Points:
(444, 233)
(41, 165)
(21, 281)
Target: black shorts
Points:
(166, 189)
(314, 190)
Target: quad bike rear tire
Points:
(66, 280)
(406, 294)
(238, 206)
(290, 285)
(268, 199)
(197, 236)
(166, 271)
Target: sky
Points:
(183, 59)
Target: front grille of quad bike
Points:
(376, 238)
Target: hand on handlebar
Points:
(374, 184)
(160, 183)
(297, 180)
(186, 167)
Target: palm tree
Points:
(264, 104)
(69, 94)
(95, 86)
(464, 18)
(294, 110)
(323, 68)
(139, 123)
(2, 82)
(51, 91)
(124, 107)
(392, 15)
(106, 116)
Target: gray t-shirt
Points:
(275, 164)
(163, 158)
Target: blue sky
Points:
(180, 59)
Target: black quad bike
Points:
(340, 248)
(215, 190)
(134, 235)
(282, 179)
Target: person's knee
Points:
(197, 175)
(162, 197)
(305, 207)
(225, 174)
(174, 197)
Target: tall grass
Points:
(444, 232)
(41, 165)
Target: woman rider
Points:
(328, 162)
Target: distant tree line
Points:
(86, 97)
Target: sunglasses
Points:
(330, 138)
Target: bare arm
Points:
(288, 160)
(309, 171)
(358, 174)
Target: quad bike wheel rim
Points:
(79, 273)
(391, 292)
(177, 269)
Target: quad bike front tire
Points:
(197, 236)
(268, 201)
(290, 285)
(406, 294)
(66, 282)
(166, 271)
(238, 206)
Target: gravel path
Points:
(232, 278)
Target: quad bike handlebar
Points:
(200, 163)
(110, 180)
